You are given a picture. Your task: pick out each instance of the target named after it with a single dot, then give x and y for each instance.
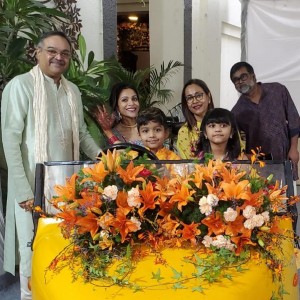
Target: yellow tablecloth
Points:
(254, 283)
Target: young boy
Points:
(154, 130)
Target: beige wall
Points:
(216, 46)
(166, 39)
(92, 25)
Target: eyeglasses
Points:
(54, 53)
(243, 77)
(198, 96)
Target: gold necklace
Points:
(128, 126)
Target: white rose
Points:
(212, 200)
(230, 214)
(258, 220)
(207, 240)
(220, 241)
(266, 216)
(255, 221)
(202, 201)
(136, 222)
(111, 191)
(249, 212)
(133, 199)
(206, 209)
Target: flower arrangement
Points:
(121, 210)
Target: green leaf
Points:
(82, 47)
(157, 275)
(177, 286)
(176, 275)
(198, 289)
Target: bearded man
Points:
(266, 114)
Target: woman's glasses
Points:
(197, 96)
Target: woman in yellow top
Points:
(196, 100)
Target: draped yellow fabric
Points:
(254, 283)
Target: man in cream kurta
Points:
(33, 132)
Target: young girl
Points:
(219, 136)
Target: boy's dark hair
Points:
(240, 65)
(189, 116)
(153, 114)
(220, 115)
(53, 33)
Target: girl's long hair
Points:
(218, 116)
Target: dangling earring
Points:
(119, 116)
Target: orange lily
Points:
(67, 192)
(275, 226)
(215, 190)
(106, 220)
(235, 227)
(165, 207)
(231, 174)
(198, 177)
(189, 232)
(124, 225)
(255, 199)
(88, 224)
(122, 201)
(234, 191)
(276, 191)
(130, 174)
(90, 200)
(214, 224)
(69, 221)
(241, 240)
(97, 173)
(164, 187)
(255, 157)
(182, 197)
(111, 160)
(207, 171)
(169, 225)
(148, 198)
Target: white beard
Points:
(246, 88)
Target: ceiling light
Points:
(133, 18)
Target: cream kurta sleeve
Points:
(15, 111)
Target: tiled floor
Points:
(9, 287)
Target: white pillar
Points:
(166, 40)
(206, 44)
(91, 13)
